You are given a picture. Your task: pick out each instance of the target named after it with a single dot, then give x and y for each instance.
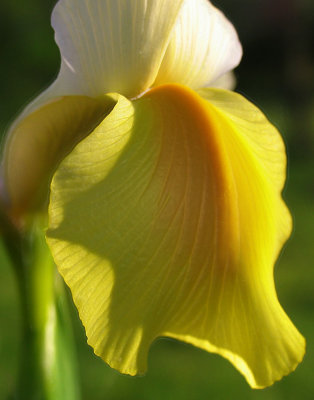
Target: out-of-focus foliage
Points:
(277, 73)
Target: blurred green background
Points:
(276, 73)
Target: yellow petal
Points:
(37, 142)
(166, 221)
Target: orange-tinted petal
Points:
(167, 220)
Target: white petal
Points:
(112, 45)
(107, 46)
(226, 81)
(204, 46)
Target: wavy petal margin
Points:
(166, 221)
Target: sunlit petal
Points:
(167, 220)
(226, 81)
(204, 46)
(37, 142)
(112, 45)
(116, 45)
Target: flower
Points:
(165, 212)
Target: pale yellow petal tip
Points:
(240, 364)
(288, 371)
(128, 355)
(251, 380)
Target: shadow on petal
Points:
(38, 142)
(164, 222)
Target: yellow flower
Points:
(165, 213)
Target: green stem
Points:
(39, 320)
(48, 368)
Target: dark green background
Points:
(277, 73)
